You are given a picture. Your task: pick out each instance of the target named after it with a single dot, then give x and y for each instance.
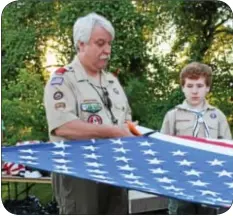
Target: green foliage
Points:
(22, 108)
(150, 77)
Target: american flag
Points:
(196, 170)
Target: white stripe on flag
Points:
(195, 144)
(191, 143)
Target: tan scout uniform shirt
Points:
(69, 96)
(182, 121)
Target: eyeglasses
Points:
(107, 101)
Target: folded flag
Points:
(190, 169)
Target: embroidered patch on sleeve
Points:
(57, 81)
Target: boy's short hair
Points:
(195, 70)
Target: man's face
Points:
(195, 91)
(97, 51)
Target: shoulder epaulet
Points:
(60, 71)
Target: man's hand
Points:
(121, 132)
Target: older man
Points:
(82, 101)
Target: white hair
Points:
(83, 27)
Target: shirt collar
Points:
(81, 74)
(185, 106)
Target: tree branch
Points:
(227, 31)
(222, 22)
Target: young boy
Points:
(195, 117)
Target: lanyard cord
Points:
(106, 101)
(199, 119)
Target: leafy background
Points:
(194, 30)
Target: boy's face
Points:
(195, 91)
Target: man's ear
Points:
(80, 46)
(208, 89)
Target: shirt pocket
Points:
(119, 111)
(184, 127)
(91, 111)
(213, 128)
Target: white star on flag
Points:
(179, 193)
(155, 161)
(224, 173)
(173, 188)
(28, 162)
(219, 199)
(60, 144)
(230, 184)
(165, 180)
(136, 182)
(117, 141)
(179, 153)
(62, 153)
(126, 168)
(124, 159)
(208, 192)
(27, 157)
(122, 150)
(61, 160)
(145, 143)
(185, 162)
(131, 176)
(94, 164)
(192, 172)
(29, 151)
(90, 147)
(149, 152)
(92, 156)
(159, 171)
(198, 183)
(63, 167)
(105, 181)
(216, 162)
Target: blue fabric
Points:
(141, 163)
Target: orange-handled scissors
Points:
(133, 129)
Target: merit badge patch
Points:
(60, 71)
(91, 107)
(60, 106)
(213, 115)
(57, 81)
(58, 95)
(95, 119)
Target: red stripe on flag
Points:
(207, 141)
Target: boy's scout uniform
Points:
(69, 95)
(183, 121)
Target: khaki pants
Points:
(178, 207)
(80, 196)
